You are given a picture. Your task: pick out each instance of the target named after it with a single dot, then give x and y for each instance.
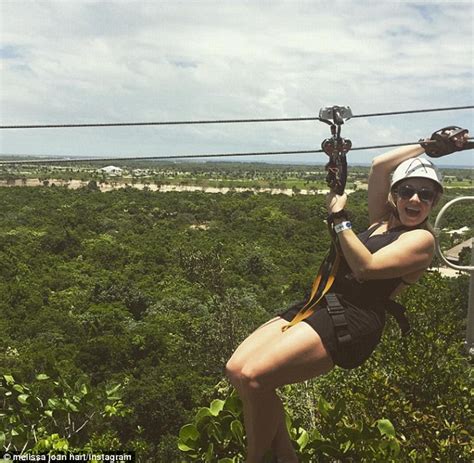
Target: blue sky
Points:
(118, 61)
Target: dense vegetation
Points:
(119, 310)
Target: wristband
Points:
(342, 226)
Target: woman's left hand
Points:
(335, 202)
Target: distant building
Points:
(459, 231)
(111, 170)
(453, 254)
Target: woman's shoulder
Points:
(420, 236)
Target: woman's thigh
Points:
(263, 335)
(271, 358)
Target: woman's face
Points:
(414, 200)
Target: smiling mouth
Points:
(412, 212)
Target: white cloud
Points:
(122, 61)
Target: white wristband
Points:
(346, 225)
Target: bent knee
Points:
(243, 375)
(233, 371)
(251, 378)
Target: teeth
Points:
(412, 212)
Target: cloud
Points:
(10, 52)
(89, 61)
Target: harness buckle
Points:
(337, 313)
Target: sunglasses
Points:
(407, 192)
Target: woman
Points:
(379, 263)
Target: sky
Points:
(132, 61)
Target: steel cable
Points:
(221, 121)
(195, 156)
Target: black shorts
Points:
(364, 325)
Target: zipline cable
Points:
(222, 121)
(192, 156)
(395, 113)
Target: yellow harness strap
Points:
(308, 309)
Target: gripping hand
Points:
(446, 141)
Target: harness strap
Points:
(338, 317)
(321, 285)
(398, 312)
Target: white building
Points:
(111, 170)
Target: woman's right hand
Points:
(335, 203)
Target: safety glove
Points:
(446, 141)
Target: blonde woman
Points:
(377, 265)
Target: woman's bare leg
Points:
(268, 359)
(281, 444)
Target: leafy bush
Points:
(53, 415)
(217, 435)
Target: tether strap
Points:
(337, 314)
(321, 285)
(398, 312)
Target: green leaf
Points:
(70, 405)
(22, 398)
(386, 428)
(234, 405)
(201, 414)
(186, 448)
(225, 460)
(48, 413)
(112, 389)
(18, 388)
(329, 450)
(2, 438)
(53, 403)
(216, 406)
(113, 398)
(188, 432)
(303, 440)
(42, 377)
(210, 453)
(9, 379)
(214, 430)
(315, 435)
(288, 422)
(237, 431)
(324, 407)
(339, 409)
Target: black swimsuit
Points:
(364, 303)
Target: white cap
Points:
(417, 168)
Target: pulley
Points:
(336, 147)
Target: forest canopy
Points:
(120, 309)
